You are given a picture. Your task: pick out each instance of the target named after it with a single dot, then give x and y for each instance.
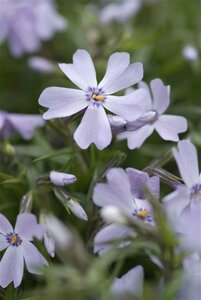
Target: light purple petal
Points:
(129, 107)
(161, 95)
(148, 104)
(81, 72)
(3, 242)
(11, 267)
(33, 259)
(175, 202)
(187, 162)
(137, 180)
(25, 124)
(27, 227)
(115, 192)
(129, 284)
(94, 128)
(104, 238)
(153, 185)
(168, 127)
(117, 63)
(77, 210)
(136, 138)
(5, 226)
(131, 75)
(62, 102)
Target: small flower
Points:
(190, 53)
(190, 192)
(61, 179)
(120, 12)
(19, 248)
(167, 126)
(41, 64)
(26, 23)
(130, 284)
(25, 125)
(95, 127)
(125, 191)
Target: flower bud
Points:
(61, 179)
(77, 210)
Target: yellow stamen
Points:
(142, 213)
(14, 239)
(98, 97)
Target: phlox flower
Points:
(26, 23)
(190, 192)
(25, 125)
(95, 127)
(167, 126)
(190, 53)
(125, 190)
(19, 248)
(130, 284)
(62, 179)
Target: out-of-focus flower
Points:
(125, 191)
(130, 284)
(41, 64)
(25, 125)
(95, 127)
(26, 23)
(190, 53)
(190, 192)
(48, 238)
(120, 12)
(77, 210)
(19, 248)
(167, 126)
(61, 179)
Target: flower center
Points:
(95, 96)
(196, 192)
(142, 214)
(13, 239)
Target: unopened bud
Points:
(26, 203)
(77, 210)
(61, 179)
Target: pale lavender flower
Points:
(120, 12)
(167, 126)
(25, 125)
(62, 179)
(41, 64)
(26, 23)
(190, 192)
(190, 53)
(130, 284)
(95, 127)
(19, 248)
(124, 190)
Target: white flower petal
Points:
(94, 128)
(5, 226)
(161, 95)
(168, 127)
(11, 267)
(33, 259)
(82, 72)
(136, 138)
(115, 192)
(117, 63)
(62, 102)
(131, 75)
(187, 161)
(129, 107)
(129, 284)
(27, 227)
(148, 104)
(3, 242)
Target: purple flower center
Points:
(95, 96)
(13, 239)
(196, 192)
(142, 214)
